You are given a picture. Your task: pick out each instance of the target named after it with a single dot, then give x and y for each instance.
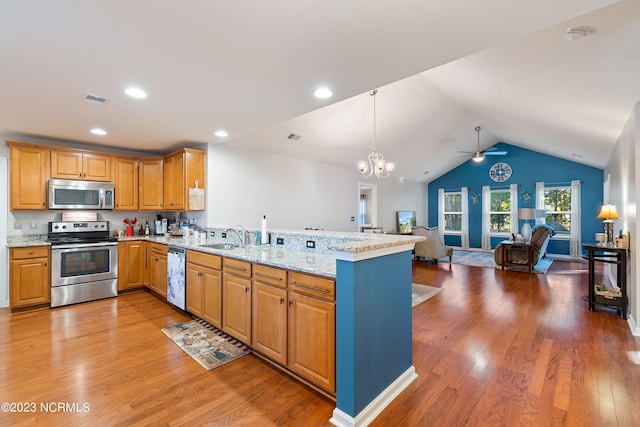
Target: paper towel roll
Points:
(263, 234)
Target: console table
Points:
(609, 255)
(508, 261)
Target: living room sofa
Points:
(431, 248)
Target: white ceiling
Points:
(441, 67)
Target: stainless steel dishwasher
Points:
(175, 277)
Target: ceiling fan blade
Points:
(495, 153)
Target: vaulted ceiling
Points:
(441, 69)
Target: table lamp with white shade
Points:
(526, 214)
(608, 213)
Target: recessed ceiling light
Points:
(323, 93)
(135, 92)
(578, 33)
(221, 133)
(98, 131)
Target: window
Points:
(453, 212)
(557, 203)
(500, 211)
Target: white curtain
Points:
(441, 212)
(486, 217)
(464, 238)
(540, 201)
(513, 189)
(575, 246)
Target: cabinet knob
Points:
(246, 289)
(281, 300)
(290, 303)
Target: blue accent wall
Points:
(528, 168)
(373, 327)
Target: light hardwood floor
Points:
(495, 348)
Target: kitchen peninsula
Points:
(372, 273)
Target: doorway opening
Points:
(367, 205)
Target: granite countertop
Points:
(323, 264)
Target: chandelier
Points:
(376, 163)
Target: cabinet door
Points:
(29, 276)
(158, 273)
(174, 185)
(269, 333)
(29, 167)
(212, 307)
(151, 185)
(96, 167)
(236, 307)
(131, 264)
(66, 164)
(312, 343)
(194, 289)
(126, 184)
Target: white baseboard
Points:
(635, 329)
(377, 405)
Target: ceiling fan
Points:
(478, 155)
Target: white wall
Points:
(243, 185)
(622, 185)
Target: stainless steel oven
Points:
(84, 262)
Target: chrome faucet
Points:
(240, 233)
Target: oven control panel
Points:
(75, 226)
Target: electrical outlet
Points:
(212, 234)
(279, 241)
(17, 225)
(224, 235)
(34, 225)
(311, 244)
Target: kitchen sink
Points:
(220, 246)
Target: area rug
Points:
(485, 259)
(421, 293)
(208, 346)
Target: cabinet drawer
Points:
(312, 285)
(270, 275)
(30, 252)
(159, 247)
(237, 267)
(204, 259)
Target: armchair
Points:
(432, 247)
(539, 239)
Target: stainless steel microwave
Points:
(70, 194)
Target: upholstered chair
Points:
(433, 247)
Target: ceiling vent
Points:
(578, 33)
(94, 99)
(293, 137)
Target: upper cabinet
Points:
(171, 183)
(29, 165)
(151, 184)
(184, 172)
(125, 182)
(79, 165)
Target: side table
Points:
(507, 261)
(609, 255)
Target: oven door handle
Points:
(83, 245)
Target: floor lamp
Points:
(526, 214)
(608, 213)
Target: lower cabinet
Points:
(132, 264)
(157, 264)
(269, 313)
(236, 299)
(204, 286)
(312, 329)
(29, 276)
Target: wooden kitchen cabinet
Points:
(158, 268)
(204, 286)
(269, 312)
(132, 264)
(312, 326)
(181, 171)
(125, 181)
(151, 184)
(29, 277)
(70, 164)
(236, 299)
(29, 173)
